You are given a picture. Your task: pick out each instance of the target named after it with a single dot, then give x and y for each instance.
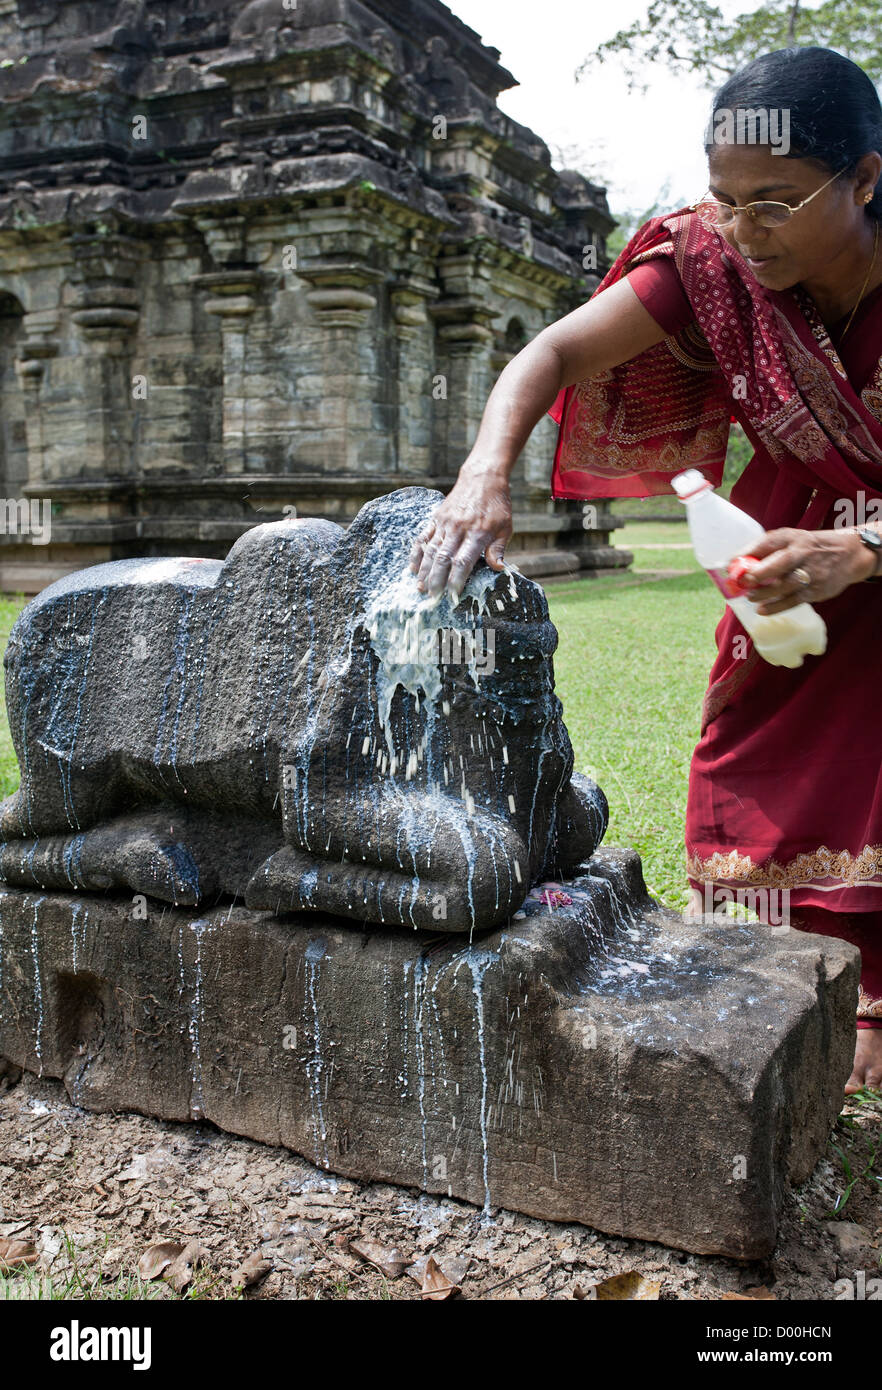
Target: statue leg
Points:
(177, 855)
(581, 817)
(405, 859)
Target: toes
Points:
(864, 1075)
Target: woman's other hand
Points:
(475, 516)
(831, 559)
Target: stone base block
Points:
(550, 564)
(599, 1061)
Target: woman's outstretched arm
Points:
(475, 516)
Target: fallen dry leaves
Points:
(15, 1253)
(251, 1271)
(173, 1262)
(387, 1259)
(630, 1285)
(435, 1284)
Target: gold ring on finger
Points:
(802, 576)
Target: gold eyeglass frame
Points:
(709, 200)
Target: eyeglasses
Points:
(764, 214)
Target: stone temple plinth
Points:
(303, 853)
(597, 1062)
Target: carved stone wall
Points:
(262, 258)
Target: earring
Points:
(870, 196)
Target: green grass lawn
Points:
(10, 607)
(633, 508)
(665, 535)
(631, 669)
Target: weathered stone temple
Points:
(265, 257)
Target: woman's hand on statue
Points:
(831, 560)
(475, 516)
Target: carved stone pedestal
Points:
(598, 1061)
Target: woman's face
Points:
(807, 246)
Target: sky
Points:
(632, 143)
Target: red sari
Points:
(785, 788)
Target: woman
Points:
(762, 304)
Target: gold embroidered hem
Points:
(824, 868)
(868, 1007)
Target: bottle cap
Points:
(738, 568)
(689, 484)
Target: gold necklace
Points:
(866, 281)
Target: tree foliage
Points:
(631, 220)
(694, 36)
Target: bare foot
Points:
(697, 910)
(695, 906)
(867, 1069)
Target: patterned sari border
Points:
(868, 1007)
(824, 869)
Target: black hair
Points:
(833, 108)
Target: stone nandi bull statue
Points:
(267, 727)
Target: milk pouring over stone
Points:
(719, 533)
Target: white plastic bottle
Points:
(719, 533)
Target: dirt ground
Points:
(89, 1194)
